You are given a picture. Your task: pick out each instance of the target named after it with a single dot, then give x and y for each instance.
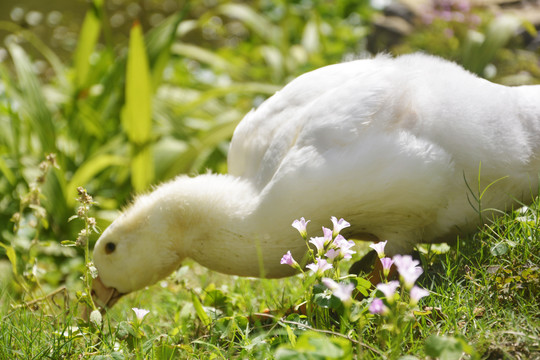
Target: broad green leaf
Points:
(136, 117)
(142, 168)
(88, 38)
(12, 256)
(203, 316)
(87, 171)
(137, 112)
(444, 348)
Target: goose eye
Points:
(110, 247)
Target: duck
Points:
(401, 147)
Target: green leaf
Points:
(88, 38)
(12, 256)
(312, 345)
(203, 316)
(444, 348)
(499, 249)
(87, 171)
(137, 112)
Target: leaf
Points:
(12, 256)
(291, 335)
(87, 171)
(258, 23)
(444, 348)
(203, 316)
(499, 249)
(136, 117)
(137, 112)
(88, 38)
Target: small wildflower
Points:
(408, 269)
(287, 259)
(338, 225)
(140, 313)
(301, 226)
(389, 290)
(377, 307)
(386, 265)
(416, 294)
(319, 266)
(379, 248)
(319, 243)
(332, 254)
(341, 291)
(344, 247)
(328, 234)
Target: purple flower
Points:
(416, 294)
(319, 243)
(332, 254)
(389, 290)
(327, 234)
(301, 226)
(379, 248)
(287, 259)
(140, 313)
(319, 266)
(377, 307)
(341, 291)
(386, 265)
(338, 225)
(344, 247)
(408, 269)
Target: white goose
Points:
(388, 144)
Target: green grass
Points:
(199, 80)
(484, 294)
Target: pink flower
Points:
(319, 266)
(287, 259)
(327, 234)
(408, 269)
(387, 265)
(389, 290)
(344, 247)
(416, 294)
(341, 291)
(319, 243)
(338, 225)
(379, 248)
(377, 307)
(332, 254)
(301, 226)
(140, 313)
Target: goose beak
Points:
(104, 297)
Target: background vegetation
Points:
(121, 113)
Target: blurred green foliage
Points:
(120, 118)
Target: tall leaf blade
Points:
(87, 41)
(137, 112)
